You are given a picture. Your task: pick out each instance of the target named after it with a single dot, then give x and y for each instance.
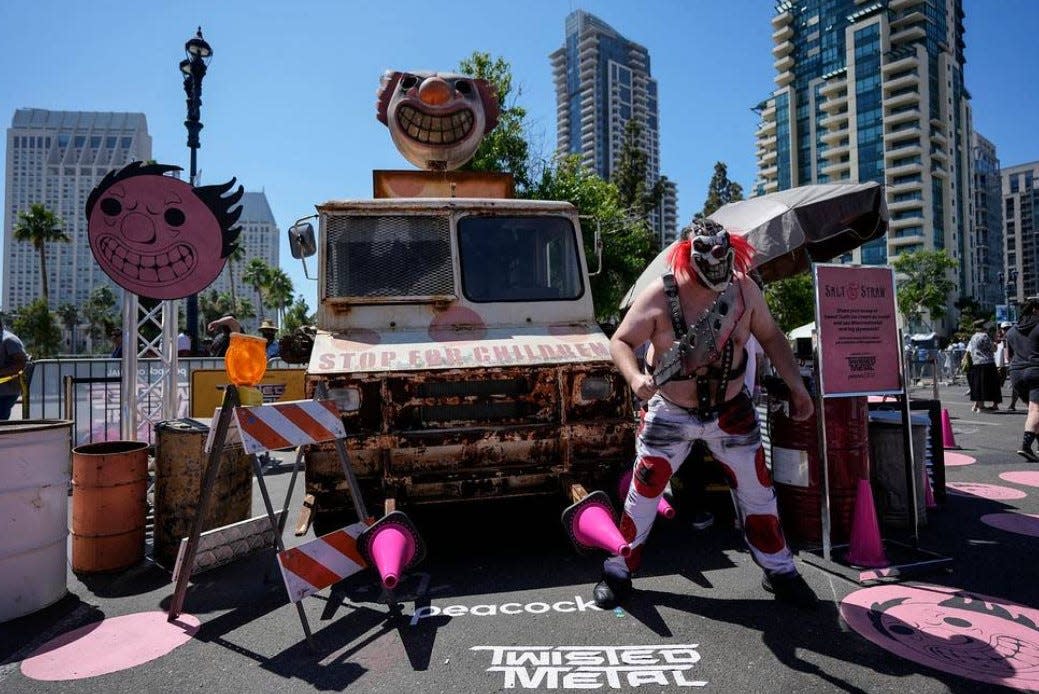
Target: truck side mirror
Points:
(597, 245)
(301, 240)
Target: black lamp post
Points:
(194, 69)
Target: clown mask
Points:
(712, 254)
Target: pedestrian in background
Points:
(12, 363)
(1023, 340)
(982, 376)
(269, 331)
(1004, 354)
(221, 329)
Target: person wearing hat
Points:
(982, 377)
(269, 331)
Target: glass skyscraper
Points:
(873, 91)
(602, 81)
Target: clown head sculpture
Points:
(436, 119)
(158, 237)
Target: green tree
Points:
(36, 326)
(39, 226)
(100, 315)
(235, 257)
(505, 148)
(791, 301)
(923, 284)
(631, 172)
(720, 191)
(297, 315)
(69, 315)
(257, 274)
(970, 310)
(627, 241)
(279, 291)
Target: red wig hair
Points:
(680, 256)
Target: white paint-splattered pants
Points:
(665, 437)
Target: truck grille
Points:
(470, 400)
(388, 256)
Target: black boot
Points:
(792, 589)
(613, 589)
(1026, 448)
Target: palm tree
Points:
(236, 256)
(257, 272)
(279, 291)
(69, 315)
(39, 226)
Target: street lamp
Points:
(194, 70)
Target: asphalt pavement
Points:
(503, 602)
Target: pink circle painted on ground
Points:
(1020, 523)
(958, 459)
(974, 636)
(986, 491)
(457, 324)
(1025, 477)
(111, 645)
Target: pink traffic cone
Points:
(865, 547)
(929, 501)
(589, 523)
(664, 507)
(948, 440)
(392, 545)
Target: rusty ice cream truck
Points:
(456, 332)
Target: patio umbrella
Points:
(793, 228)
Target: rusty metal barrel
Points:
(797, 472)
(180, 463)
(109, 505)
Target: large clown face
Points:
(154, 236)
(437, 120)
(712, 254)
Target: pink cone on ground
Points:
(391, 549)
(664, 507)
(865, 547)
(948, 440)
(594, 527)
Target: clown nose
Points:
(392, 548)
(664, 507)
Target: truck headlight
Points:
(347, 399)
(596, 388)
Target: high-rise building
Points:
(602, 81)
(873, 91)
(1020, 186)
(258, 239)
(55, 158)
(987, 263)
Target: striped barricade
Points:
(317, 564)
(288, 424)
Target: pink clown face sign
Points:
(157, 236)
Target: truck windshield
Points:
(519, 259)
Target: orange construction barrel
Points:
(109, 505)
(797, 472)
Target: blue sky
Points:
(288, 104)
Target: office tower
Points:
(56, 158)
(1020, 190)
(602, 81)
(258, 239)
(986, 259)
(873, 91)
